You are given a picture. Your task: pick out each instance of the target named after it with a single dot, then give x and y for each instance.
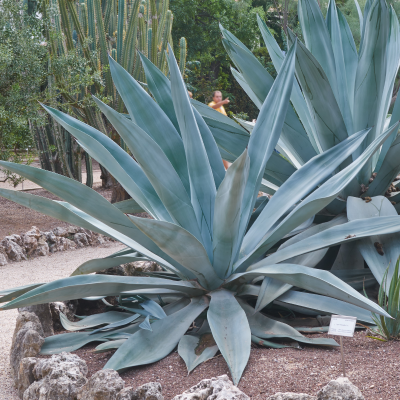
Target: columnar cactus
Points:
(96, 29)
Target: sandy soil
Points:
(41, 269)
(371, 365)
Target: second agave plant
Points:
(202, 230)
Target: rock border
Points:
(64, 375)
(36, 243)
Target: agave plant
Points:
(338, 92)
(203, 230)
(388, 328)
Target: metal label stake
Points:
(342, 325)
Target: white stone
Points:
(340, 389)
(220, 388)
(103, 385)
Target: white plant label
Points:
(342, 325)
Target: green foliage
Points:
(389, 300)
(23, 56)
(208, 67)
(203, 231)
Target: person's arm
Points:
(219, 104)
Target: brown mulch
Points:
(373, 366)
(19, 219)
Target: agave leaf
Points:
(93, 320)
(323, 304)
(360, 16)
(302, 182)
(112, 345)
(317, 40)
(348, 258)
(80, 196)
(266, 328)
(230, 329)
(350, 231)
(56, 209)
(272, 345)
(233, 140)
(66, 212)
(251, 74)
(142, 110)
(117, 161)
(160, 88)
(357, 279)
(73, 341)
(297, 98)
(379, 251)
(11, 294)
(145, 346)
(370, 78)
(272, 288)
(343, 99)
(98, 264)
(388, 171)
(350, 56)
(313, 280)
(392, 65)
(129, 206)
(202, 185)
(146, 324)
(213, 153)
(76, 287)
(265, 136)
(187, 350)
(117, 324)
(316, 201)
(320, 97)
(153, 308)
(184, 247)
(168, 186)
(228, 204)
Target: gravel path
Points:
(41, 269)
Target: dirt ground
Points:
(19, 219)
(373, 366)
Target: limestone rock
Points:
(103, 385)
(27, 340)
(148, 391)
(66, 307)
(220, 388)
(72, 230)
(60, 231)
(30, 240)
(13, 248)
(50, 237)
(291, 396)
(44, 314)
(25, 374)
(3, 257)
(59, 377)
(340, 389)
(140, 267)
(62, 244)
(42, 248)
(81, 239)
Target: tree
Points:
(22, 71)
(208, 65)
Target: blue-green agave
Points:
(339, 91)
(204, 231)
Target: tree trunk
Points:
(118, 192)
(106, 178)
